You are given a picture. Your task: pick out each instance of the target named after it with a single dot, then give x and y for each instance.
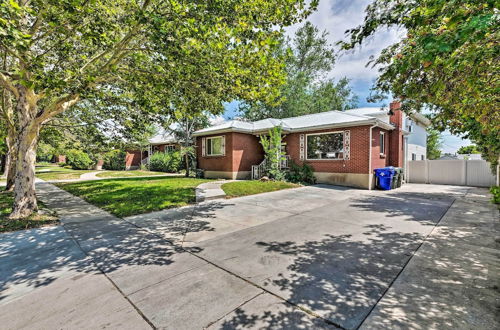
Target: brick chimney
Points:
(396, 142)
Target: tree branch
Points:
(8, 85)
(57, 107)
(13, 53)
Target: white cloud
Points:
(216, 120)
(337, 16)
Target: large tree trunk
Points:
(24, 188)
(27, 138)
(10, 165)
(3, 161)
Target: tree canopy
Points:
(309, 58)
(163, 57)
(470, 149)
(447, 62)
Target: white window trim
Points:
(382, 134)
(223, 137)
(169, 145)
(322, 133)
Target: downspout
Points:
(370, 176)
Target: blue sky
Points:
(336, 16)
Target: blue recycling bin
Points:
(384, 177)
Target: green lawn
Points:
(124, 197)
(36, 220)
(55, 172)
(244, 188)
(117, 174)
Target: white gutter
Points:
(222, 130)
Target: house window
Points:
(382, 143)
(325, 146)
(413, 156)
(422, 157)
(214, 146)
(170, 148)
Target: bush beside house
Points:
(114, 160)
(78, 160)
(165, 162)
(301, 174)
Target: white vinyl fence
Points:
(476, 173)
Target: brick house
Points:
(343, 147)
(163, 142)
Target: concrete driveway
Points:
(312, 257)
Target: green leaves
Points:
(434, 143)
(448, 62)
(273, 152)
(166, 57)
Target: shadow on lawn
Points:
(130, 196)
(340, 277)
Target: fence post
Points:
(427, 163)
(498, 175)
(465, 172)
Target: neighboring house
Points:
(343, 147)
(59, 159)
(448, 156)
(469, 156)
(416, 124)
(163, 142)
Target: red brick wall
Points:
(379, 160)
(133, 158)
(396, 136)
(247, 151)
(242, 151)
(60, 159)
(216, 163)
(358, 162)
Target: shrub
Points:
(272, 148)
(495, 191)
(78, 160)
(301, 174)
(114, 160)
(44, 153)
(165, 162)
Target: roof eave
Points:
(373, 121)
(164, 142)
(222, 130)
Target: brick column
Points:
(396, 142)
